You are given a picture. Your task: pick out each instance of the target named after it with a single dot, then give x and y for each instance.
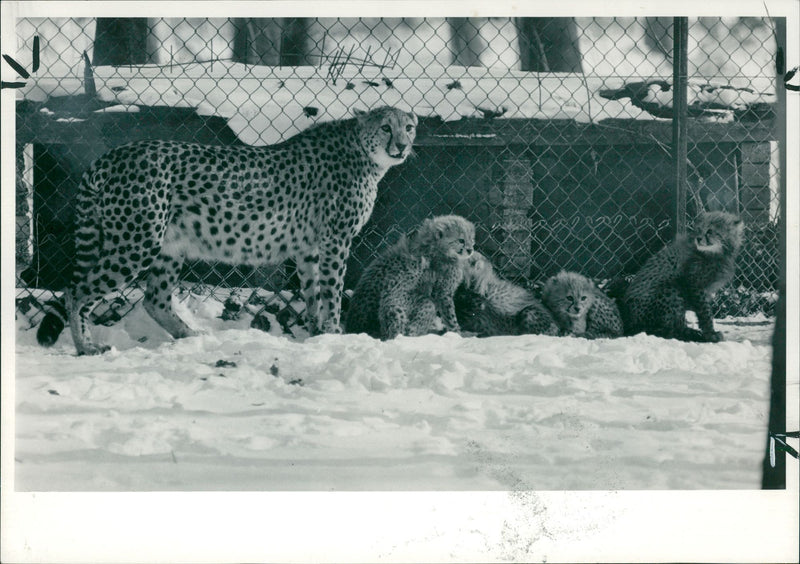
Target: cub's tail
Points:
(54, 321)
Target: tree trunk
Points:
(466, 41)
(257, 41)
(272, 41)
(295, 42)
(549, 45)
(120, 41)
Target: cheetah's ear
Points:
(359, 112)
(414, 118)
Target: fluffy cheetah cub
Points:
(489, 305)
(580, 308)
(682, 276)
(412, 282)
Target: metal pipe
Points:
(680, 43)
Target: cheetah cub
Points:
(488, 305)
(404, 289)
(681, 277)
(580, 308)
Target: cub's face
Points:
(569, 296)
(717, 233)
(577, 302)
(387, 135)
(478, 272)
(457, 244)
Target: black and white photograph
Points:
(526, 271)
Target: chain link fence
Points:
(552, 135)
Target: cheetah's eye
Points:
(409, 128)
(570, 299)
(583, 298)
(386, 128)
(461, 241)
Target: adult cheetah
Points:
(150, 205)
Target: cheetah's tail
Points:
(88, 242)
(88, 231)
(54, 321)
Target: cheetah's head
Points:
(387, 135)
(718, 233)
(568, 295)
(478, 273)
(446, 237)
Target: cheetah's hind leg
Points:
(670, 320)
(93, 280)
(79, 305)
(161, 281)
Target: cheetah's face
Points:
(478, 273)
(716, 232)
(576, 302)
(569, 294)
(387, 135)
(458, 245)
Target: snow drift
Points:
(241, 409)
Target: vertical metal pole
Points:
(774, 477)
(680, 43)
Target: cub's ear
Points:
(414, 118)
(359, 112)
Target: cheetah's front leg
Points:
(308, 272)
(698, 301)
(333, 262)
(443, 298)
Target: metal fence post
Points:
(680, 41)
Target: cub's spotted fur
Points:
(488, 305)
(404, 290)
(149, 205)
(580, 308)
(681, 277)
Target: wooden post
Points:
(517, 199)
(680, 39)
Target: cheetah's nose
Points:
(400, 147)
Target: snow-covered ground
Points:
(240, 409)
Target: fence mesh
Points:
(552, 135)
